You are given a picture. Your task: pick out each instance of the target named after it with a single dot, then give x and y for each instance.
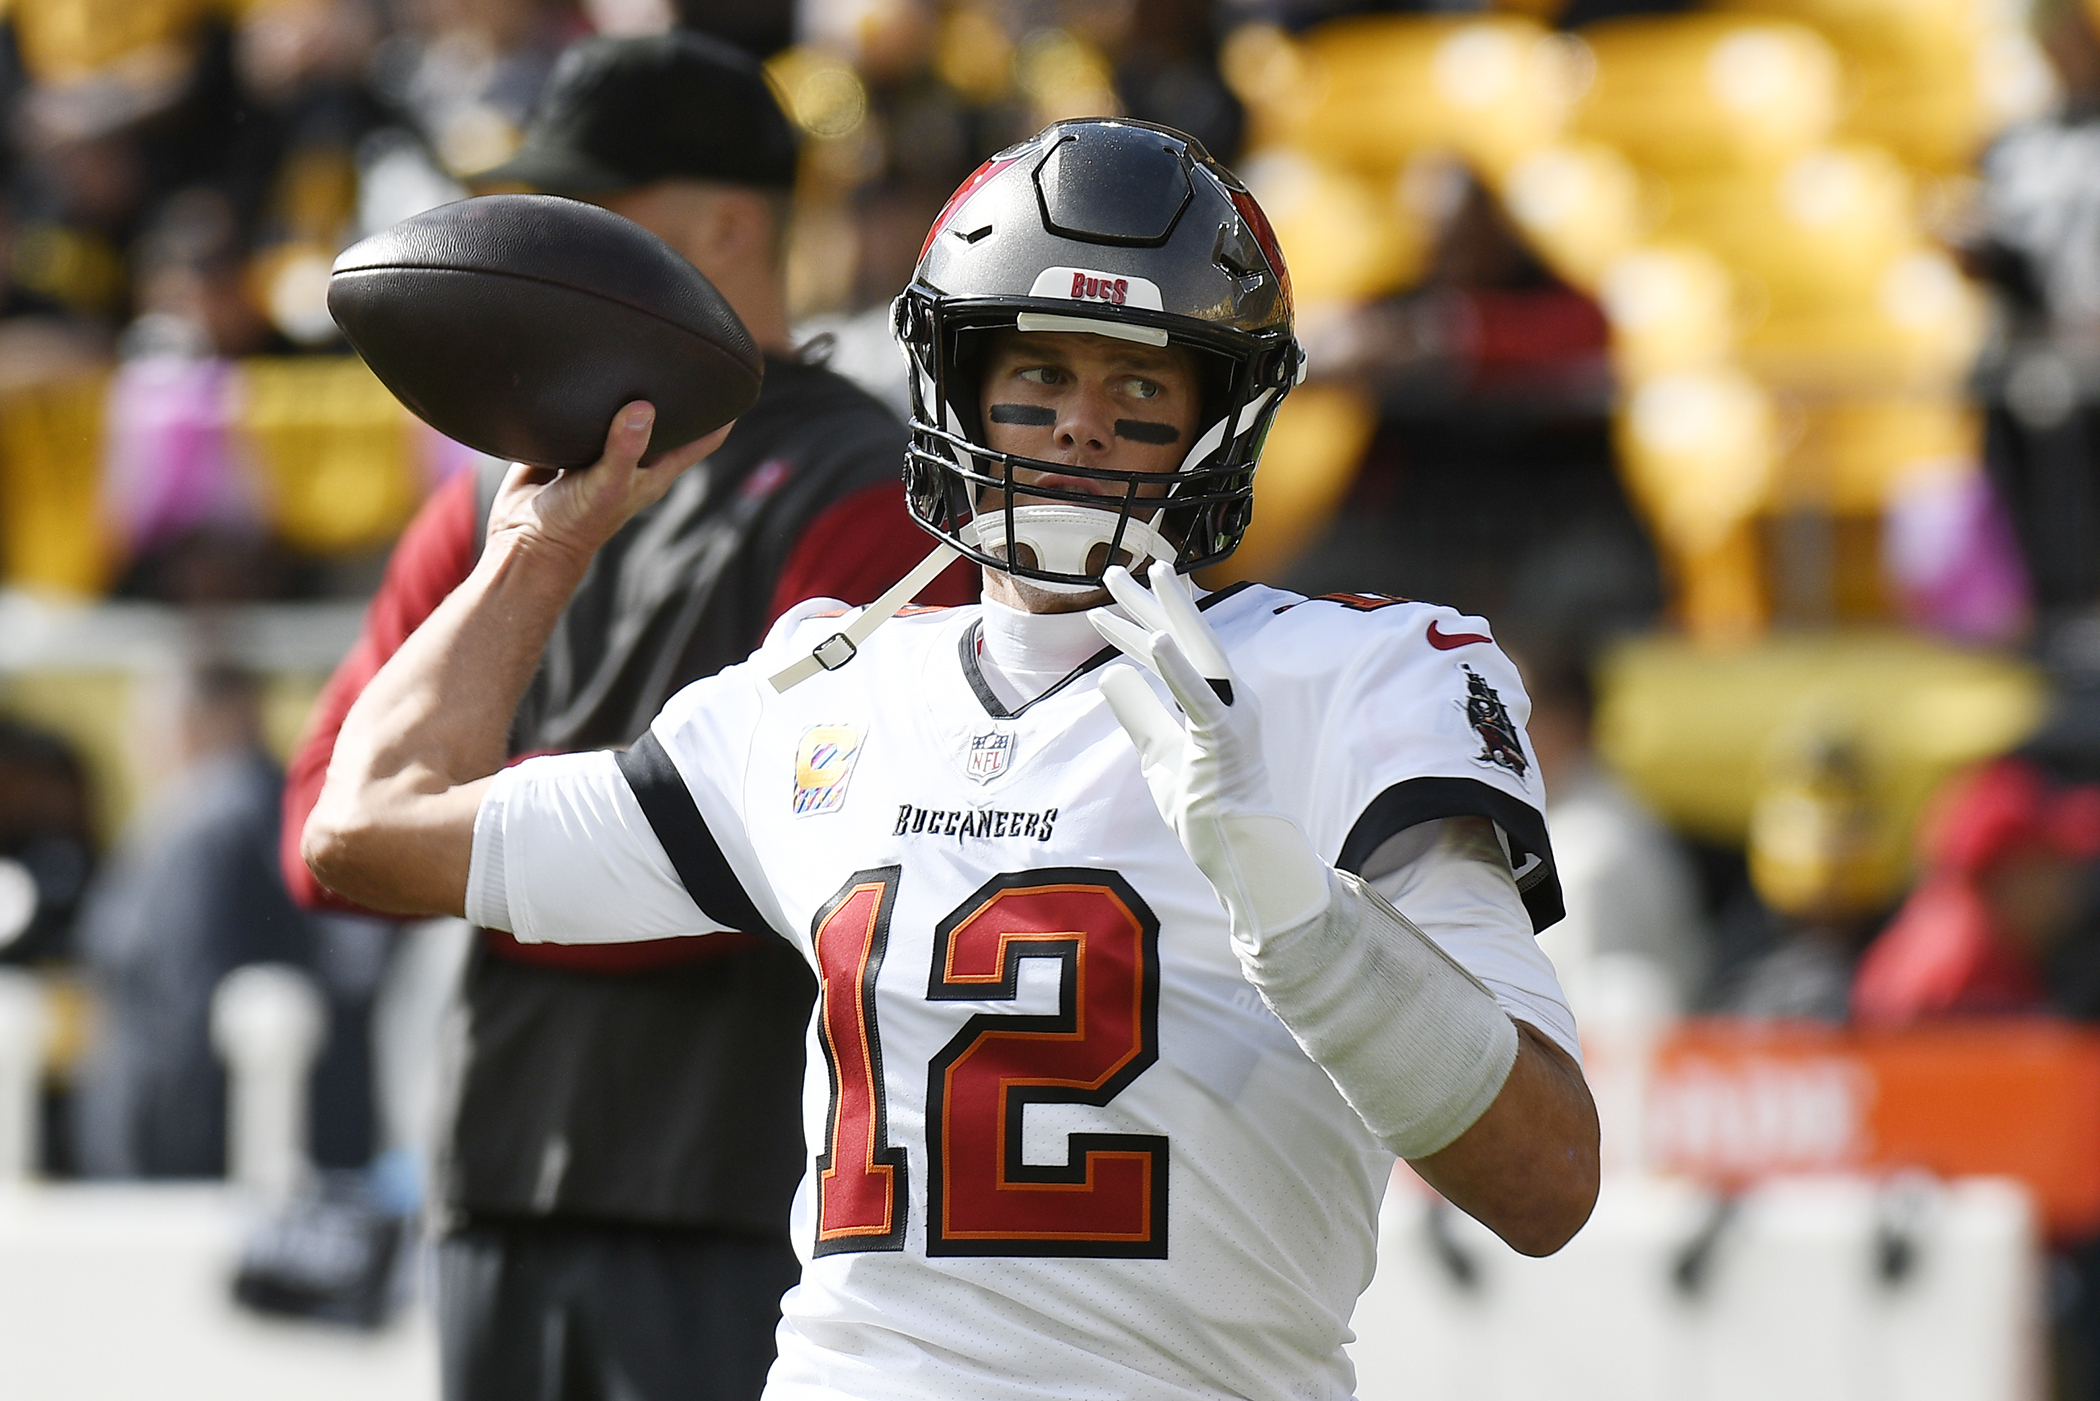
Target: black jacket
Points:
(668, 1097)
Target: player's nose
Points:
(1085, 424)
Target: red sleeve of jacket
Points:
(433, 557)
(852, 551)
(860, 546)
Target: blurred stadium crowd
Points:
(1739, 361)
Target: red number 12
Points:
(1109, 1197)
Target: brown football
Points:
(519, 324)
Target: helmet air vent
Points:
(1235, 252)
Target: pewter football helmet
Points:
(1118, 228)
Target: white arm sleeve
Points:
(559, 844)
(1451, 878)
(1414, 1043)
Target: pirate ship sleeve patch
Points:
(1500, 745)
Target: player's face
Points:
(1092, 401)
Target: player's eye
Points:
(1042, 374)
(1138, 388)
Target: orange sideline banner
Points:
(1734, 1101)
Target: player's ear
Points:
(741, 224)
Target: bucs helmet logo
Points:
(1489, 717)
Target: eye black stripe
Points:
(1027, 415)
(1138, 430)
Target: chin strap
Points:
(1063, 536)
(839, 648)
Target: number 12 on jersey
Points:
(1109, 1197)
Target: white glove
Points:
(1413, 1041)
(1207, 776)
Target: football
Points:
(519, 324)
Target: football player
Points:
(1139, 963)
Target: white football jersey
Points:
(1059, 1147)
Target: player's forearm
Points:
(394, 826)
(1431, 1064)
(1527, 1168)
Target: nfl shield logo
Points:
(989, 756)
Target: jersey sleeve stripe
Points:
(676, 820)
(1425, 799)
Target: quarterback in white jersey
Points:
(1138, 962)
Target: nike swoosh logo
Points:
(1445, 641)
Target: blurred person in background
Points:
(46, 842)
(302, 66)
(1823, 873)
(627, 1137)
(118, 109)
(2005, 914)
(41, 338)
(2035, 238)
(1490, 483)
(467, 72)
(2004, 917)
(2005, 920)
(1634, 928)
(47, 852)
(191, 893)
(185, 506)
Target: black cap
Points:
(622, 112)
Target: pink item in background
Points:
(1951, 559)
(439, 456)
(169, 460)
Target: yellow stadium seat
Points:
(1696, 92)
(1930, 80)
(335, 450)
(1817, 228)
(1696, 450)
(1847, 455)
(1374, 91)
(52, 535)
(1579, 205)
(1672, 307)
(1916, 323)
(1345, 238)
(65, 40)
(1703, 735)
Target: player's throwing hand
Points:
(577, 511)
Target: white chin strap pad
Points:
(1062, 537)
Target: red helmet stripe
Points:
(962, 194)
(1263, 235)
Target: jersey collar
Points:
(973, 672)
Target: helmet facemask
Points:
(1061, 538)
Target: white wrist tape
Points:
(1413, 1041)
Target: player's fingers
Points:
(1127, 637)
(1186, 622)
(1136, 602)
(1157, 735)
(628, 437)
(1202, 698)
